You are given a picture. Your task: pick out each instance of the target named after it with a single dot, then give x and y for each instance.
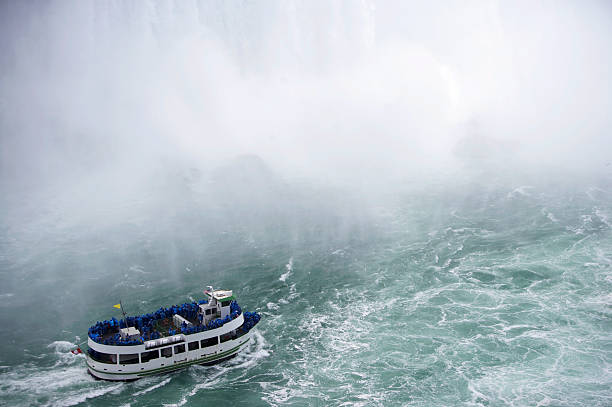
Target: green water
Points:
(472, 296)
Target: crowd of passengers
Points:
(250, 320)
(145, 323)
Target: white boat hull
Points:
(204, 356)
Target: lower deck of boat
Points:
(212, 363)
(167, 363)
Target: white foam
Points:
(75, 399)
(138, 269)
(62, 350)
(256, 351)
(156, 386)
(245, 359)
(603, 217)
(212, 381)
(549, 215)
(62, 346)
(66, 382)
(522, 190)
(591, 192)
(289, 268)
(272, 306)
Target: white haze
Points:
(101, 99)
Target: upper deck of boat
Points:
(162, 326)
(219, 308)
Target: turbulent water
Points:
(471, 295)
(416, 197)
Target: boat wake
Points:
(65, 382)
(62, 382)
(155, 386)
(231, 372)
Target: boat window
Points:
(129, 359)
(194, 345)
(208, 311)
(103, 357)
(209, 342)
(226, 337)
(167, 352)
(225, 303)
(146, 356)
(179, 349)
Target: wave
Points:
(155, 386)
(217, 375)
(520, 191)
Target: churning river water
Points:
(490, 287)
(489, 297)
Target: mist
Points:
(115, 111)
(349, 90)
(450, 157)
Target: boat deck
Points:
(161, 322)
(161, 326)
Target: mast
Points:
(124, 317)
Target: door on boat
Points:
(179, 353)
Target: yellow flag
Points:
(117, 306)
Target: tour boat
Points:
(203, 332)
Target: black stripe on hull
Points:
(214, 362)
(109, 380)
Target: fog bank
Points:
(100, 100)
